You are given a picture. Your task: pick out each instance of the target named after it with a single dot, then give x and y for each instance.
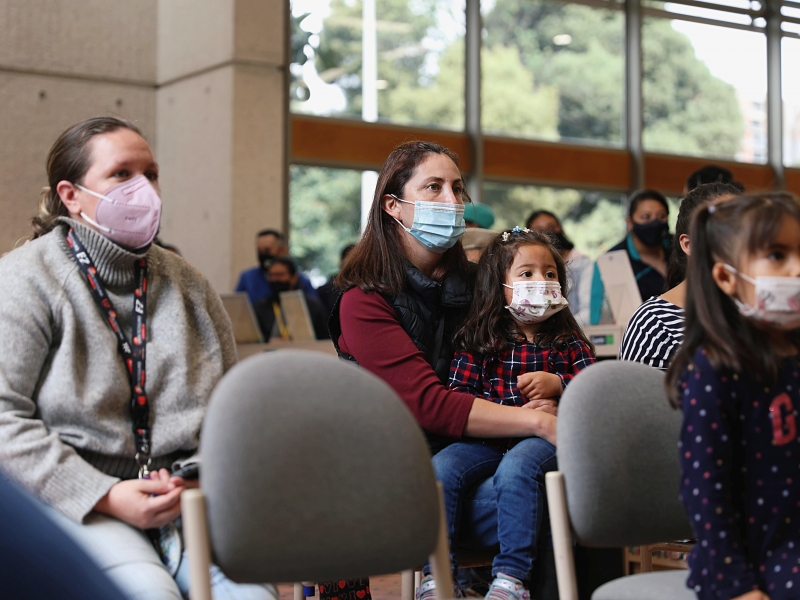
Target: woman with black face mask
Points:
(579, 266)
(647, 245)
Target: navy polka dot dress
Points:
(740, 484)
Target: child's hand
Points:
(549, 406)
(539, 385)
(754, 595)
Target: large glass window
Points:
(594, 221)
(403, 63)
(324, 217)
(553, 71)
(790, 85)
(704, 90)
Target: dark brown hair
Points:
(378, 263)
(640, 196)
(725, 233)
(68, 160)
(702, 194)
(489, 325)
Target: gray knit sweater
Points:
(65, 425)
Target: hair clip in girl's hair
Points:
(515, 231)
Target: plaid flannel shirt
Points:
(494, 377)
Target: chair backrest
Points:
(314, 469)
(618, 451)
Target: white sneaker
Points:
(427, 589)
(505, 587)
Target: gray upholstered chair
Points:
(312, 469)
(618, 477)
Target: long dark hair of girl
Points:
(702, 194)
(489, 325)
(724, 233)
(378, 263)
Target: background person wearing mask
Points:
(655, 332)
(579, 266)
(283, 277)
(269, 245)
(647, 245)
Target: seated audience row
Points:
(480, 354)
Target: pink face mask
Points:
(129, 213)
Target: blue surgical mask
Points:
(437, 225)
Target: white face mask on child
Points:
(777, 300)
(535, 301)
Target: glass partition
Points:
(553, 71)
(790, 87)
(704, 90)
(324, 217)
(387, 60)
(594, 221)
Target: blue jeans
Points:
(518, 506)
(127, 556)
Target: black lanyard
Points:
(133, 351)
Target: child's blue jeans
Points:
(518, 480)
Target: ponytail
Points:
(68, 160)
(723, 233)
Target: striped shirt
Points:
(654, 334)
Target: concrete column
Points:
(62, 61)
(220, 114)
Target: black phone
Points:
(190, 471)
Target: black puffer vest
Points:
(430, 313)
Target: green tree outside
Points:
(551, 70)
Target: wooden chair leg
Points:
(646, 558)
(195, 530)
(407, 587)
(440, 559)
(562, 536)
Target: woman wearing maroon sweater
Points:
(407, 288)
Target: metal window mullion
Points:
(472, 96)
(286, 75)
(633, 91)
(656, 12)
(721, 8)
(774, 99)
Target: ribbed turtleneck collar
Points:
(114, 263)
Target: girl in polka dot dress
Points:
(737, 380)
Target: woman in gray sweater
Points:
(81, 426)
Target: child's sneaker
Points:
(505, 587)
(427, 589)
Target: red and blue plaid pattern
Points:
(495, 377)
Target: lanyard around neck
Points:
(133, 351)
